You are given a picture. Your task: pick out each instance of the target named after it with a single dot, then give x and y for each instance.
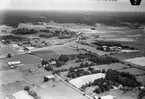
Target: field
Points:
(10, 76)
(46, 55)
(11, 88)
(57, 90)
(115, 66)
(141, 79)
(124, 56)
(79, 81)
(138, 61)
(133, 71)
(25, 59)
(6, 50)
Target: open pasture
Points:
(6, 50)
(124, 56)
(10, 76)
(80, 81)
(133, 71)
(25, 59)
(46, 55)
(138, 61)
(59, 91)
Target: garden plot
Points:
(80, 81)
(138, 61)
(25, 59)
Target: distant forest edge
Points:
(13, 18)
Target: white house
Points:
(22, 95)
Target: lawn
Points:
(46, 55)
(25, 59)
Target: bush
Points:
(64, 58)
(9, 56)
(32, 93)
(27, 88)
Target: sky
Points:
(71, 5)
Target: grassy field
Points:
(65, 50)
(46, 55)
(25, 59)
(124, 56)
(6, 50)
(11, 88)
(133, 71)
(10, 76)
(141, 79)
(115, 66)
(59, 91)
(80, 81)
(138, 61)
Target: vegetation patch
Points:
(24, 31)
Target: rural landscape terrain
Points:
(66, 60)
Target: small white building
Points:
(104, 97)
(50, 77)
(30, 48)
(14, 63)
(52, 63)
(22, 95)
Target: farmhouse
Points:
(22, 95)
(14, 63)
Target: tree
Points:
(9, 55)
(37, 97)
(32, 93)
(97, 90)
(64, 58)
(27, 88)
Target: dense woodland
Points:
(24, 31)
(113, 78)
(13, 38)
(93, 57)
(101, 43)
